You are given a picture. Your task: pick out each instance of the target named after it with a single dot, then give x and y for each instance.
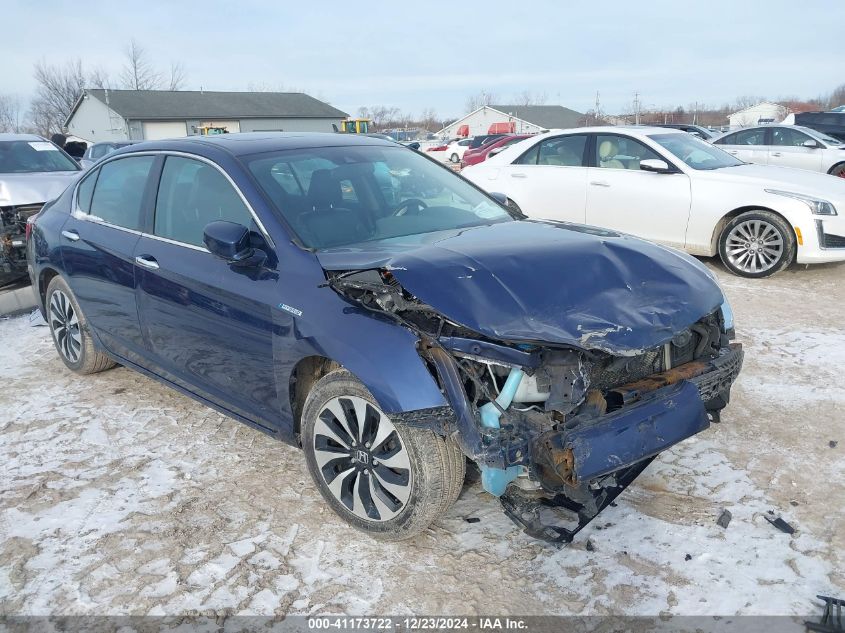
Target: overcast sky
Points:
(415, 55)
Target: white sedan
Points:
(672, 188)
(451, 151)
(786, 146)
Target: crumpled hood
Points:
(548, 282)
(19, 189)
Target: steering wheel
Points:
(403, 207)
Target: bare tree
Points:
(138, 73)
(177, 76)
(837, 97)
(98, 78)
(526, 98)
(11, 114)
(429, 120)
(59, 88)
(476, 101)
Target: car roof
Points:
(246, 143)
(8, 136)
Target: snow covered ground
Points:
(120, 496)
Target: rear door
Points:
(550, 179)
(787, 150)
(207, 324)
(749, 145)
(623, 197)
(98, 242)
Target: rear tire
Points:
(381, 477)
(838, 170)
(757, 244)
(71, 332)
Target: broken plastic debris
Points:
(780, 524)
(724, 519)
(472, 519)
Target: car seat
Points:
(608, 151)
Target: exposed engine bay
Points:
(13, 241)
(558, 431)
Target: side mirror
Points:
(810, 143)
(655, 165)
(498, 197)
(414, 146)
(230, 241)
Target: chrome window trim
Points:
(79, 214)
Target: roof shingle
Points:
(206, 104)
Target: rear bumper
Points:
(653, 415)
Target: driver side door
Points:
(787, 150)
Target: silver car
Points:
(32, 171)
(786, 146)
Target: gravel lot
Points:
(120, 496)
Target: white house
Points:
(129, 115)
(763, 112)
(513, 118)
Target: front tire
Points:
(383, 478)
(757, 244)
(71, 332)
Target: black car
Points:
(831, 123)
(696, 130)
(478, 141)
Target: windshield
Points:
(694, 152)
(335, 196)
(25, 157)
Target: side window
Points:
(191, 195)
(120, 190)
(730, 139)
(621, 152)
(84, 191)
(756, 136)
(785, 136)
(563, 151)
(529, 157)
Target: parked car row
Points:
(672, 188)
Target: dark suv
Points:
(355, 298)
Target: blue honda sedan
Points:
(351, 296)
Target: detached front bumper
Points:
(585, 465)
(644, 418)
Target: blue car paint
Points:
(548, 282)
(211, 331)
(625, 437)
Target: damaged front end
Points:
(13, 220)
(558, 431)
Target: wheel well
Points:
(730, 215)
(44, 280)
(835, 167)
(307, 372)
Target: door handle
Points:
(599, 183)
(776, 154)
(733, 151)
(71, 235)
(519, 175)
(147, 262)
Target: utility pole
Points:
(636, 108)
(598, 107)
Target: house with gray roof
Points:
(121, 115)
(530, 119)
